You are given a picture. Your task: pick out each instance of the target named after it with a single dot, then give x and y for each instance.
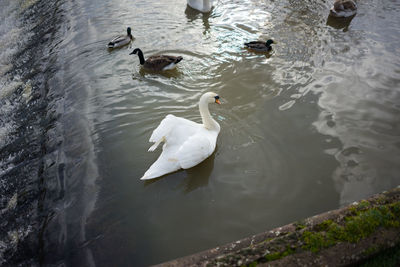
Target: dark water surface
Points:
(312, 127)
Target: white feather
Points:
(170, 66)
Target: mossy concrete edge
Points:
(315, 240)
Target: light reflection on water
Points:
(307, 129)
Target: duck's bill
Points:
(217, 101)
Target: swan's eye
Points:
(216, 97)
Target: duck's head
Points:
(210, 97)
(129, 30)
(269, 42)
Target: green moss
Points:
(352, 209)
(278, 255)
(315, 241)
(300, 225)
(325, 225)
(381, 200)
(273, 256)
(363, 205)
(362, 223)
(395, 208)
(362, 220)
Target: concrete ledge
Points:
(345, 236)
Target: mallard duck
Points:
(260, 46)
(186, 143)
(121, 40)
(157, 62)
(201, 5)
(343, 8)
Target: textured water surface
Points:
(308, 128)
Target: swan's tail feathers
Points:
(160, 167)
(156, 144)
(149, 176)
(146, 177)
(153, 173)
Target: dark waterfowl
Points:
(157, 62)
(260, 46)
(121, 40)
(343, 8)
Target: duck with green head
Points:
(260, 46)
(121, 40)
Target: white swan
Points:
(186, 143)
(201, 5)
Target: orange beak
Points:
(217, 101)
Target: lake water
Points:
(311, 127)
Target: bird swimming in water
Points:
(186, 143)
(157, 62)
(260, 46)
(121, 40)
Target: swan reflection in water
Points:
(339, 23)
(193, 14)
(199, 175)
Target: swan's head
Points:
(210, 97)
(269, 42)
(128, 30)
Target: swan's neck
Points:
(208, 121)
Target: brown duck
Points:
(157, 62)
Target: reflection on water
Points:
(339, 23)
(305, 129)
(193, 14)
(199, 175)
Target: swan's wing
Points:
(197, 148)
(165, 127)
